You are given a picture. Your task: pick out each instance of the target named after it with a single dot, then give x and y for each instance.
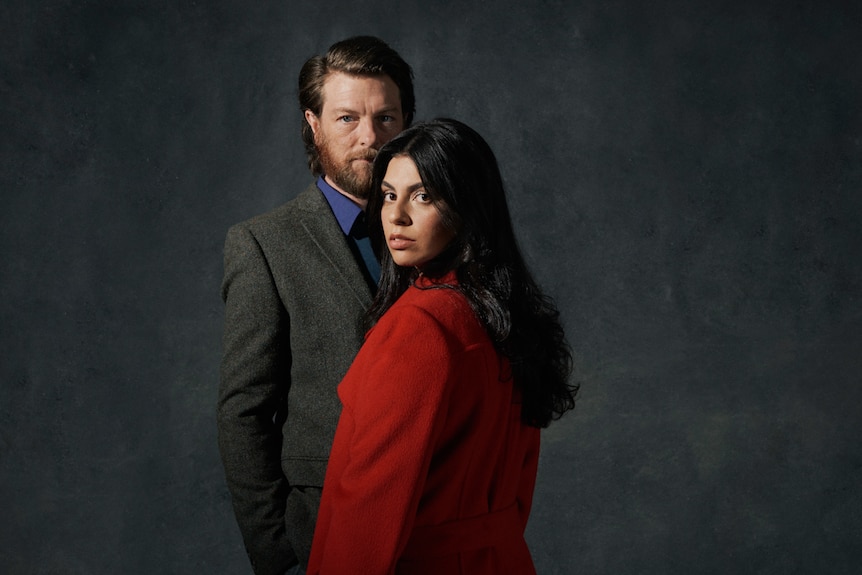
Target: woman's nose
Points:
(398, 215)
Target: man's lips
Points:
(366, 158)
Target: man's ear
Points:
(312, 120)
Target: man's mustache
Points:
(368, 156)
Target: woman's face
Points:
(412, 224)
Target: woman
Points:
(434, 460)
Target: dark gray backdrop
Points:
(685, 179)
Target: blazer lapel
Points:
(324, 232)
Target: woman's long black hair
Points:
(460, 172)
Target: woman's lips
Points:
(399, 242)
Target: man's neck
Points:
(359, 202)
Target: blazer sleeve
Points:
(383, 445)
(255, 374)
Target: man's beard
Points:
(342, 174)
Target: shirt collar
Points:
(344, 209)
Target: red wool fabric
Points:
(431, 469)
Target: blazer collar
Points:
(326, 234)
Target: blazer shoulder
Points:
(309, 202)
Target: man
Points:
(297, 280)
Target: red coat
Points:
(431, 469)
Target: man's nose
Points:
(369, 135)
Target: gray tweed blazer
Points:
(294, 295)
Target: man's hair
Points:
(357, 56)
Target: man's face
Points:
(359, 115)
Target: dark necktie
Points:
(359, 233)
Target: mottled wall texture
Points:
(685, 180)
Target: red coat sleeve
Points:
(395, 397)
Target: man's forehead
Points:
(343, 89)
